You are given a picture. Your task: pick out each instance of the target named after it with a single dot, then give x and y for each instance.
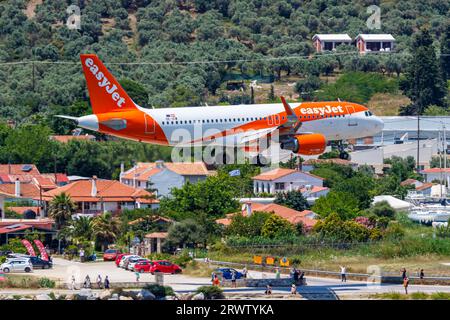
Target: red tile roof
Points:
(280, 172)
(17, 169)
(107, 190)
(27, 190)
(161, 235)
(314, 189)
(424, 186)
(67, 138)
(144, 170)
(435, 170)
(334, 160)
(46, 223)
(291, 215)
(408, 182)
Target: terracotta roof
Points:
(153, 219)
(161, 235)
(108, 190)
(60, 177)
(333, 160)
(291, 215)
(45, 182)
(67, 138)
(144, 170)
(21, 210)
(435, 170)
(45, 223)
(18, 169)
(27, 190)
(14, 228)
(281, 172)
(408, 182)
(314, 189)
(424, 186)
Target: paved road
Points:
(316, 288)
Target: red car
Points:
(164, 266)
(110, 254)
(119, 257)
(143, 266)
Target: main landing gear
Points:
(343, 154)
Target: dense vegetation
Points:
(189, 30)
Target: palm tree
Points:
(82, 228)
(61, 209)
(106, 228)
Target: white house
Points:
(436, 174)
(281, 180)
(329, 42)
(162, 176)
(374, 42)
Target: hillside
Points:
(131, 31)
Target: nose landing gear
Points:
(343, 154)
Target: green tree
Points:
(247, 226)
(360, 186)
(106, 229)
(136, 91)
(333, 228)
(292, 199)
(82, 229)
(383, 209)
(445, 53)
(186, 233)
(276, 226)
(61, 208)
(344, 204)
(423, 82)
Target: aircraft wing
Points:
(289, 127)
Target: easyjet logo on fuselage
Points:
(322, 110)
(103, 82)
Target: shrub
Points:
(159, 256)
(276, 226)
(46, 283)
(440, 296)
(159, 291)
(182, 260)
(383, 209)
(419, 296)
(211, 292)
(394, 232)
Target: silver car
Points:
(16, 265)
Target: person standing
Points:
(403, 273)
(296, 275)
(277, 273)
(343, 274)
(244, 273)
(216, 281)
(138, 275)
(268, 289)
(81, 255)
(293, 289)
(87, 282)
(405, 284)
(233, 279)
(106, 282)
(99, 281)
(421, 274)
(73, 283)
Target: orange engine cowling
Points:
(306, 144)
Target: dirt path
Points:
(31, 6)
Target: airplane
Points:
(304, 129)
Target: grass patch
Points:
(440, 296)
(358, 87)
(196, 269)
(412, 296)
(26, 282)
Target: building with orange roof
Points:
(67, 138)
(163, 176)
(282, 180)
(306, 217)
(95, 196)
(310, 164)
(436, 174)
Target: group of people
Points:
(87, 284)
(297, 275)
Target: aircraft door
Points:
(149, 124)
(352, 121)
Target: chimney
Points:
(17, 188)
(249, 209)
(122, 170)
(94, 186)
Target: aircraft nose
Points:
(378, 124)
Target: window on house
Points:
(279, 185)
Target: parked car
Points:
(142, 266)
(124, 262)
(227, 273)
(111, 254)
(132, 262)
(16, 265)
(120, 257)
(40, 263)
(164, 266)
(5, 253)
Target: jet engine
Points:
(306, 144)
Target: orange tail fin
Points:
(105, 92)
